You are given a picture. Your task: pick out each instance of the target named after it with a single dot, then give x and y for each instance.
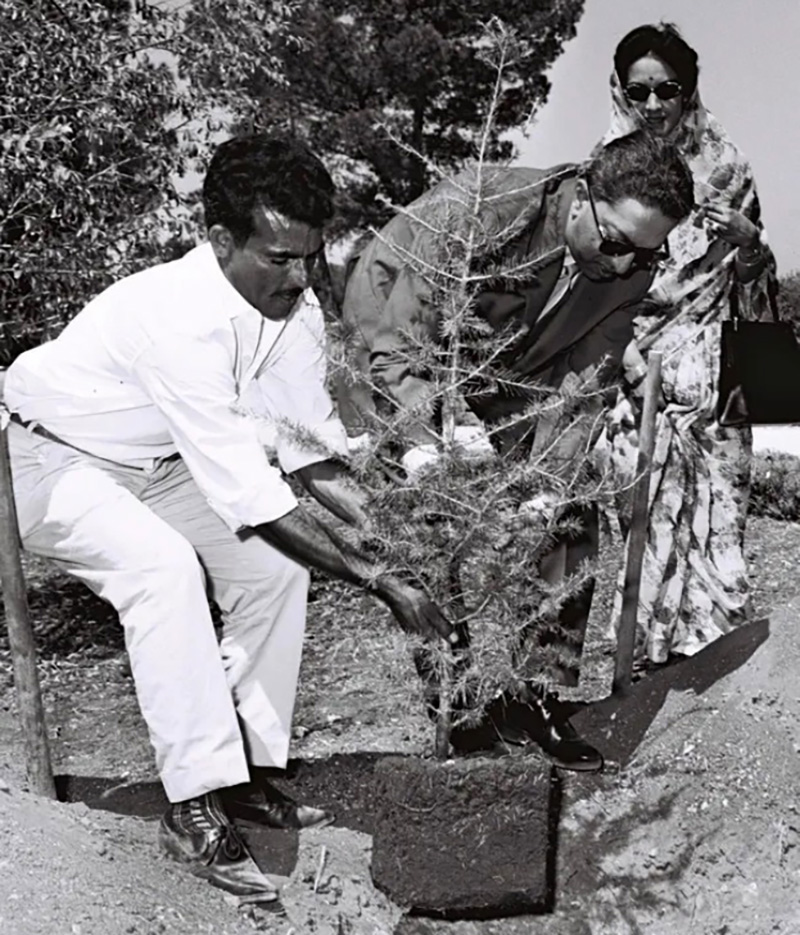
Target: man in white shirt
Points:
(138, 468)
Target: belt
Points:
(38, 429)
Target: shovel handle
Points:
(637, 535)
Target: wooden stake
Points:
(637, 535)
(20, 637)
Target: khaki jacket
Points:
(387, 297)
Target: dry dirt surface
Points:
(693, 828)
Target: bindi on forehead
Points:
(650, 69)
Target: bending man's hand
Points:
(541, 508)
(416, 461)
(471, 441)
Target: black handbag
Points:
(759, 378)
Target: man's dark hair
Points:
(645, 167)
(279, 173)
(663, 41)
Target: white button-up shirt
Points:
(173, 359)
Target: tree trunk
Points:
(417, 173)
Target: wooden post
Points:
(20, 637)
(637, 535)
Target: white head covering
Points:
(700, 266)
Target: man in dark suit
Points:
(593, 235)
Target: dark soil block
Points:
(462, 839)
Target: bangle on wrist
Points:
(752, 253)
(635, 377)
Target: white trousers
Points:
(149, 544)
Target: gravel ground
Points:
(697, 831)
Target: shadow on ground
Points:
(617, 725)
(342, 784)
(68, 618)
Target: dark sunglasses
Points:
(643, 257)
(666, 91)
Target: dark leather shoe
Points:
(259, 802)
(483, 737)
(541, 719)
(199, 834)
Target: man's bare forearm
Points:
(331, 485)
(304, 538)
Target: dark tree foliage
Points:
(86, 157)
(346, 75)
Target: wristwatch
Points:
(751, 254)
(635, 376)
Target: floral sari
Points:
(694, 582)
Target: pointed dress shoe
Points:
(199, 834)
(541, 719)
(260, 803)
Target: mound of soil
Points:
(72, 870)
(68, 869)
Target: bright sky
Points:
(748, 52)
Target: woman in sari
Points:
(694, 584)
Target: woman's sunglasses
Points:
(666, 91)
(643, 257)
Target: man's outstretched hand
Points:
(415, 611)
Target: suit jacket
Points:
(524, 211)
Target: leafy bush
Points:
(87, 158)
(775, 486)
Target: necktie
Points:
(569, 272)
